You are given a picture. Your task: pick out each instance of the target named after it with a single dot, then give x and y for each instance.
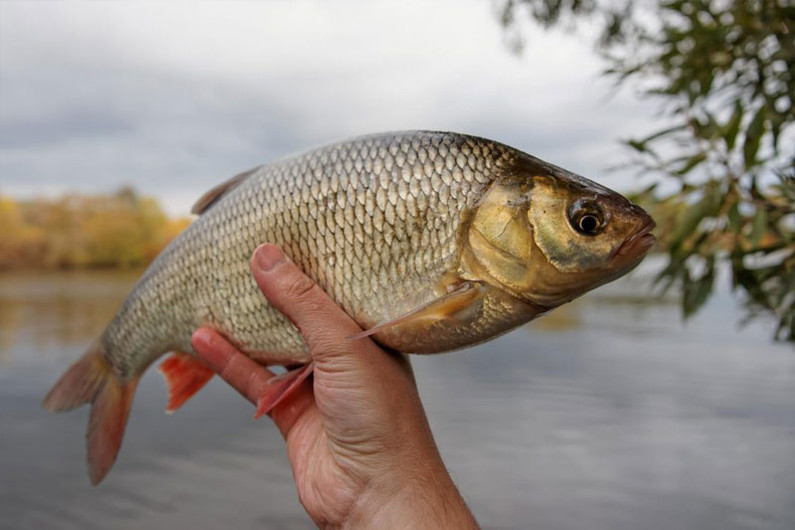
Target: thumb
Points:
(321, 322)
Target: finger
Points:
(287, 413)
(250, 378)
(322, 323)
(245, 375)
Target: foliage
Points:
(723, 72)
(75, 231)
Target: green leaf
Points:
(641, 145)
(662, 132)
(697, 292)
(758, 227)
(748, 280)
(673, 269)
(753, 137)
(735, 219)
(777, 122)
(787, 186)
(706, 207)
(690, 164)
(732, 126)
(636, 145)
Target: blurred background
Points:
(664, 400)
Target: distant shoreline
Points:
(116, 231)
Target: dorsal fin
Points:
(212, 196)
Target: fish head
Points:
(546, 235)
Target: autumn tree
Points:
(78, 231)
(16, 234)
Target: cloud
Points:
(173, 97)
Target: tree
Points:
(723, 72)
(12, 247)
(79, 231)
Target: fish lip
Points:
(641, 241)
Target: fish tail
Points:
(92, 380)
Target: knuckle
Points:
(321, 343)
(301, 288)
(252, 383)
(231, 369)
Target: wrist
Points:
(425, 498)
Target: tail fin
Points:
(92, 380)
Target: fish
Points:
(430, 241)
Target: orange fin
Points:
(281, 386)
(106, 425)
(92, 380)
(185, 375)
(214, 195)
(446, 306)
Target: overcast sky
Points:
(175, 97)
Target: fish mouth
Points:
(638, 244)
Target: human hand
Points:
(358, 440)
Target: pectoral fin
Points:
(280, 386)
(445, 307)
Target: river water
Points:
(607, 414)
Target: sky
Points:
(173, 98)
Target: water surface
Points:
(607, 414)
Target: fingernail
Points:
(267, 257)
(205, 344)
(202, 337)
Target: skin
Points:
(357, 437)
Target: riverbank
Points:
(113, 231)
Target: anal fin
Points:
(444, 307)
(185, 375)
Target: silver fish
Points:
(431, 241)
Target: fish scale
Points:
(392, 229)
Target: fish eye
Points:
(587, 218)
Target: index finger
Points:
(242, 373)
(248, 377)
